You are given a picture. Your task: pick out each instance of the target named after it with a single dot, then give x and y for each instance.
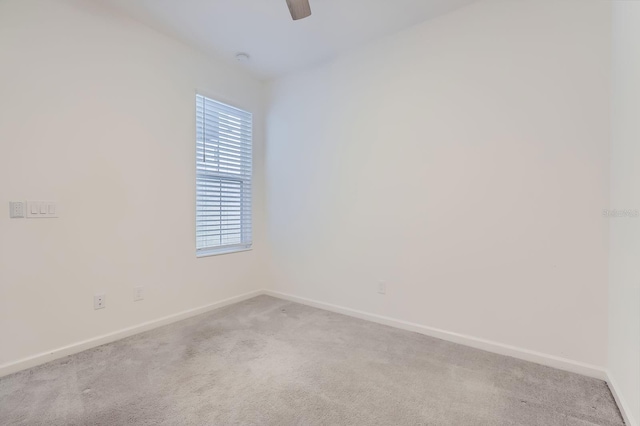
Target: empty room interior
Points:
(320, 212)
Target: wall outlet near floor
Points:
(138, 294)
(382, 287)
(99, 301)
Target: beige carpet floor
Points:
(266, 361)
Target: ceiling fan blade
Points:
(299, 9)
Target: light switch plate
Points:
(42, 209)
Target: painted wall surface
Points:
(97, 113)
(624, 260)
(465, 162)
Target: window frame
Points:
(242, 180)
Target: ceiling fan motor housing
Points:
(299, 9)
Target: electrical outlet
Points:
(16, 209)
(382, 287)
(99, 301)
(138, 294)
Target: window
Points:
(223, 177)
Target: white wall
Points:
(464, 161)
(624, 272)
(97, 112)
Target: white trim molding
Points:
(623, 406)
(41, 358)
(474, 342)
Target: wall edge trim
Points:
(83, 345)
(474, 342)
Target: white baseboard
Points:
(474, 342)
(622, 402)
(495, 347)
(51, 355)
(487, 345)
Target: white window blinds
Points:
(223, 177)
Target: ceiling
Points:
(277, 45)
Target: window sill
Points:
(218, 252)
